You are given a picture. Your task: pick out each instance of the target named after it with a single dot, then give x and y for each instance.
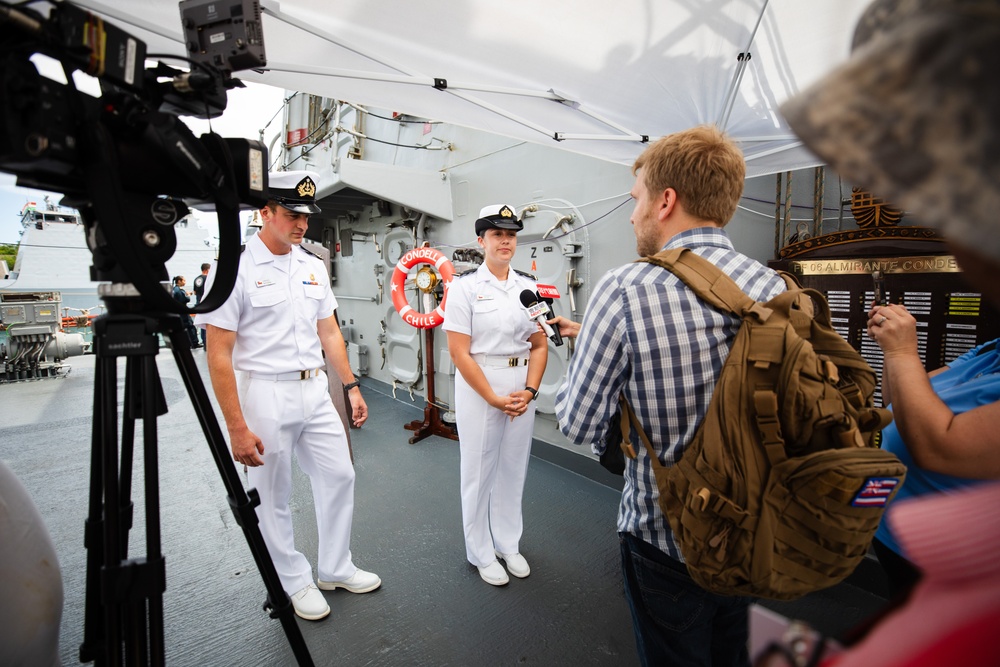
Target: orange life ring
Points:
(410, 259)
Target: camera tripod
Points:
(123, 621)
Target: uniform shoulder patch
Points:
(526, 275)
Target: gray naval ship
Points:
(48, 300)
(382, 197)
(400, 188)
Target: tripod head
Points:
(125, 160)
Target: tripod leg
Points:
(151, 390)
(119, 588)
(93, 625)
(109, 540)
(135, 632)
(241, 504)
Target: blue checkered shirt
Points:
(647, 334)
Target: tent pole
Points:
(743, 58)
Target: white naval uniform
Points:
(494, 449)
(273, 309)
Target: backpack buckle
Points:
(701, 499)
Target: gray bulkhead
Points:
(389, 183)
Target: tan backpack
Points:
(781, 489)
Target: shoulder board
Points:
(526, 275)
(468, 271)
(309, 252)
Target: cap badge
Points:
(505, 212)
(306, 187)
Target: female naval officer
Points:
(500, 355)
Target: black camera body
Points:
(121, 158)
(226, 33)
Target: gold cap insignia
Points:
(306, 187)
(505, 212)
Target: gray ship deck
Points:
(432, 609)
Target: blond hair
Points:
(702, 165)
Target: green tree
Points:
(8, 252)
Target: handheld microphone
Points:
(537, 311)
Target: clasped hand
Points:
(515, 404)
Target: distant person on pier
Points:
(199, 294)
(183, 297)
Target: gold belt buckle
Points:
(304, 375)
(512, 361)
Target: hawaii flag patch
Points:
(875, 492)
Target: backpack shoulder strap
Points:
(791, 282)
(628, 417)
(705, 279)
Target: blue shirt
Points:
(971, 380)
(647, 334)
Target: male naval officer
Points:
(266, 365)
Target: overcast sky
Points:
(248, 111)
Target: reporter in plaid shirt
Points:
(647, 334)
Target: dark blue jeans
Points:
(677, 623)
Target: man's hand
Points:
(247, 448)
(359, 409)
(567, 328)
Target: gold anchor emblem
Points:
(306, 188)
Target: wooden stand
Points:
(432, 424)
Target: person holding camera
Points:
(500, 355)
(266, 364)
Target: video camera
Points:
(125, 160)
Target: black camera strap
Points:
(227, 209)
(109, 201)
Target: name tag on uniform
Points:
(264, 283)
(484, 297)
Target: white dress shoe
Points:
(360, 582)
(310, 604)
(516, 564)
(493, 574)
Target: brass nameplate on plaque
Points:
(844, 266)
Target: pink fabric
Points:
(955, 540)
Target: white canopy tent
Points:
(586, 76)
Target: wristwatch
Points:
(352, 385)
(534, 392)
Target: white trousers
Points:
(495, 453)
(297, 417)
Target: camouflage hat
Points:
(914, 114)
